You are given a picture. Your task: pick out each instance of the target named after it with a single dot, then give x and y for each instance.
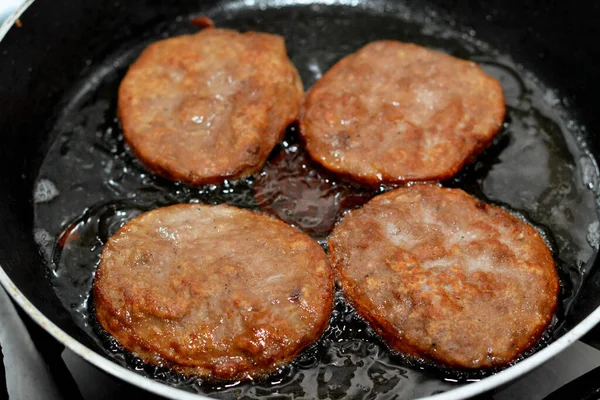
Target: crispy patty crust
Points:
(211, 106)
(443, 276)
(215, 291)
(394, 112)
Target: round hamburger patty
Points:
(211, 106)
(395, 112)
(442, 276)
(214, 291)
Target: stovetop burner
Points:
(35, 365)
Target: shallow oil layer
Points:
(90, 184)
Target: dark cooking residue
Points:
(90, 184)
(299, 192)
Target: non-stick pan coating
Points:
(85, 54)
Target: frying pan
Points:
(55, 53)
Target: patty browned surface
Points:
(395, 112)
(443, 276)
(214, 291)
(211, 106)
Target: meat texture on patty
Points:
(213, 291)
(443, 276)
(395, 112)
(211, 106)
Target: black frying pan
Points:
(63, 163)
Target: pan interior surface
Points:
(89, 184)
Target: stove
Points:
(34, 366)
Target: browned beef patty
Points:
(214, 291)
(211, 106)
(395, 112)
(443, 276)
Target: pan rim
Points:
(112, 368)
